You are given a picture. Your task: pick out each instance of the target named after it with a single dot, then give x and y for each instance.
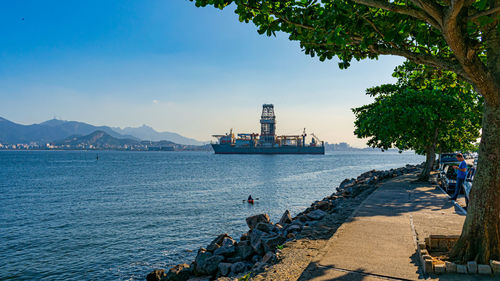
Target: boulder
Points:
(256, 258)
(200, 260)
(234, 259)
(225, 251)
(254, 220)
(225, 268)
(324, 205)
(301, 218)
(226, 247)
(206, 263)
(316, 215)
(294, 228)
(270, 242)
(180, 272)
(155, 275)
(269, 257)
(286, 218)
(238, 267)
(244, 251)
(216, 242)
(256, 242)
(266, 227)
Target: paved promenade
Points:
(379, 241)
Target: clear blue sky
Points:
(170, 65)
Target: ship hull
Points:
(229, 149)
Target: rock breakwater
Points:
(226, 258)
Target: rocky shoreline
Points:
(282, 250)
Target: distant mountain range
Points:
(96, 139)
(101, 140)
(55, 130)
(147, 133)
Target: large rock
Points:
(256, 242)
(269, 257)
(254, 220)
(201, 260)
(216, 243)
(295, 227)
(286, 218)
(316, 214)
(238, 267)
(324, 205)
(270, 242)
(180, 272)
(266, 227)
(212, 264)
(244, 251)
(225, 268)
(206, 263)
(155, 275)
(225, 251)
(226, 247)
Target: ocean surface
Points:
(64, 215)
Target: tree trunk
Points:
(430, 156)
(480, 239)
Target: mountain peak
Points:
(53, 122)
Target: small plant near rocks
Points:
(246, 277)
(280, 247)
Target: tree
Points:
(425, 110)
(462, 36)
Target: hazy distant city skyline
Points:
(172, 66)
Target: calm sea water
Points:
(66, 216)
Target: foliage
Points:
(246, 277)
(425, 107)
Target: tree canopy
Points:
(426, 110)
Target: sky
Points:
(172, 66)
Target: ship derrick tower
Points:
(267, 125)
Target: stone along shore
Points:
(282, 250)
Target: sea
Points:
(110, 215)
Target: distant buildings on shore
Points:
(146, 146)
(343, 146)
(136, 147)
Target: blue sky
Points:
(170, 65)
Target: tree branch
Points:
(405, 10)
(431, 8)
(484, 13)
(422, 59)
(376, 29)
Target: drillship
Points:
(268, 142)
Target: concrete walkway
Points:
(379, 241)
